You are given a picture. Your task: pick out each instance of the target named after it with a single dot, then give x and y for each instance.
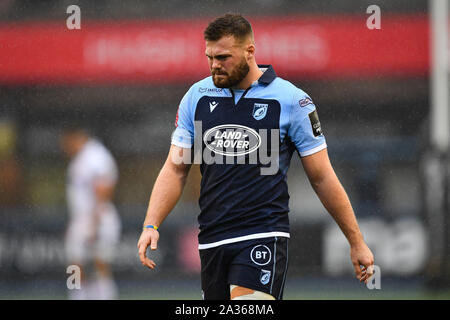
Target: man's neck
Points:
(254, 74)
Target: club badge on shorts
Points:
(264, 276)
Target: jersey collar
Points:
(268, 76)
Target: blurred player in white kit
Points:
(94, 225)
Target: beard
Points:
(232, 79)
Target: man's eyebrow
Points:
(218, 56)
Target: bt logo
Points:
(260, 255)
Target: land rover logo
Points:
(232, 140)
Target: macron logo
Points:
(213, 105)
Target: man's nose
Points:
(215, 64)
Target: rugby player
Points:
(244, 227)
(94, 224)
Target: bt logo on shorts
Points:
(260, 255)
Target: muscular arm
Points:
(325, 183)
(167, 189)
(166, 192)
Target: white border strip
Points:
(243, 238)
(274, 263)
(313, 150)
(181, 144)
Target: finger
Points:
(143, 257)
(364, 278)
(142, 252)
(154, 243)
(357, 268)
(149, 263)
(367, 275)
(146, 261)
(369, 269)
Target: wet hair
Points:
(228, 25)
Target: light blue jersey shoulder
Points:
(299, 120)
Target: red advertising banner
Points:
(162, 51)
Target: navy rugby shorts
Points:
(258, 264)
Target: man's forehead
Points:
(215, 51)
(226, 44)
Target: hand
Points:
(148, 237)
(361, 255)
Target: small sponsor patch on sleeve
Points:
(305, 102)
(315, 123)
(176, 118)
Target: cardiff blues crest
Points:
(260, 110)
(265, 276)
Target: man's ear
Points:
(250, 51)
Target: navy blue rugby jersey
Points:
(244, 141)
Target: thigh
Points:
(214, 273)
(261, 265)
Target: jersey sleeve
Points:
(304, 126)
(183, 136)
(104, 167)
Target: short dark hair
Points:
(228, 25)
